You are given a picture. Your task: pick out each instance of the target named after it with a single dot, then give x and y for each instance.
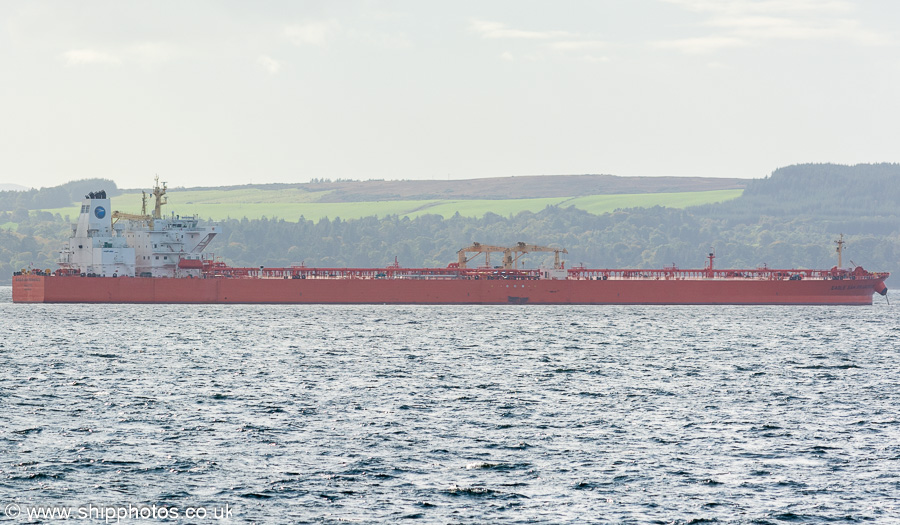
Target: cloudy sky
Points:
(233, 92)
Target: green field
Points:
(598, 204)
(292, 204)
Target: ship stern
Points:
(28, 288)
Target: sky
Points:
(230, 92)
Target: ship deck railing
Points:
(219, 270)
(727, 274)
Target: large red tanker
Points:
(115, 257)
(218, 283)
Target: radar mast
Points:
(159, 196)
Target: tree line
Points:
(56, 196)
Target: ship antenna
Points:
(840, 250)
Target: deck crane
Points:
(511, 254)
(478, 248)
(521, 249)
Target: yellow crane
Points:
(478, 248)
(116, 215)
(521, 249)
(511, 254)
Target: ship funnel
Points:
(94, 218)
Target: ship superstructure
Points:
(107, 243)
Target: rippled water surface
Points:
(455, 414)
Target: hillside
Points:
(293, 205)
(470, 198)
(498, 188)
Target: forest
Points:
(789, 219)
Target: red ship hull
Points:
(216, 290)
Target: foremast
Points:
(840, 250)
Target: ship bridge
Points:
(116, 243)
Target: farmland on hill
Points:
(292, 204)
(470, 198)
(496, 188)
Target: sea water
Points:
(449, 414)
